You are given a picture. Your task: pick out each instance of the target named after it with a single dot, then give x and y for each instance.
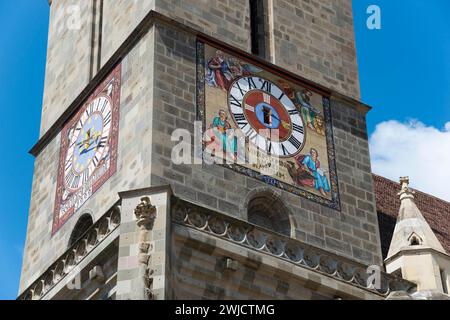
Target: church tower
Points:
(203, 149)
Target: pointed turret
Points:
(411, 230)
(415, 252)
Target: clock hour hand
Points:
(89, 140)
(283, 123)
(275, 117)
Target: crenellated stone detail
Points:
(74, 255)
(145, 214)
(282, 247)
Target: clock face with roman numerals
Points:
(88, 141)
(267, 126)
(267, 116)
(89, 149)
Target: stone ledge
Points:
(284, 248)
(75, 256)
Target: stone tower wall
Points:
(313, 39)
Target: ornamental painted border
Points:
(115, 78)
(334, 203)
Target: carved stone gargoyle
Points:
(145, 213)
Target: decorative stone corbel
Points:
(145, 214)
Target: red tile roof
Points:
(436, 211)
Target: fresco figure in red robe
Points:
(218, 72)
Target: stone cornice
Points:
(231, 229)
(416, 250)
(72, 258)
(301, 254)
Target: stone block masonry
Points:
(351, 232)
(311, 38)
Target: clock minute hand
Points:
(276, 117)
(88, 141)
(281, 121)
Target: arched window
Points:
(268, 211)
(83, 224)
(414, 240)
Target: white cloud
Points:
(415, 150)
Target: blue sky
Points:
(404, 73)
(404, 68)
(23, 42)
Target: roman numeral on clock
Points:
(242, 124)
(297, 144)
(235, 101)
(285, 151)
(269, 146)
(240, 89)
(102, 142)
(251, 83)
(75, 182)
(68, 164)
(95, 161)
(298, 128)
(253, 136)
(293, 112)
(266, 85)
(239, 117)
(86, 174)
(107, 119)
(105, 102)
(69, 178)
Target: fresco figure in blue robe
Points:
(311, 163)
(222, 136)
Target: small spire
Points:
(411, 229)
(406, 192)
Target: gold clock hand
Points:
(89, 140)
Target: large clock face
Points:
(267, 116)
(87, 143)
(88, 152)
(265, 125)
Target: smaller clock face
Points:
(267, 116)
(88, 141)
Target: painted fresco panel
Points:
(265, 125)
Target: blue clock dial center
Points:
(267, 115)
(87, 142)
